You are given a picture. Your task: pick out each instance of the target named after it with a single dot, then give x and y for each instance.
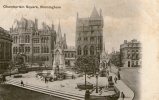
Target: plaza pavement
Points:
(69, 86)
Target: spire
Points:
(94, 13)
(59, 36)
(59, 29)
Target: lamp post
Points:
(97, 67)
(96, 82)
(85, 78)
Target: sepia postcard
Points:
(79, 49)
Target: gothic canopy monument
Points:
(59, 60)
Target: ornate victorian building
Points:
(130, 53)
(36, 44)
(5, 49)
(89, 34)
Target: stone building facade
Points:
(89, 34)
(5, 49)
(70, 55)
(36, 44)
(130, 53)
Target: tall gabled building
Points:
(34, 44)
(89, 34)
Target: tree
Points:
(86, 64)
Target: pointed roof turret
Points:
(94, 13)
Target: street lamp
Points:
(97, 67)
(97, 82)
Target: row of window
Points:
(45, 40)
(35, 58)
(92, 39)
(36, 40)
(70, 55)
(44, 49)
(26, 39)
(133, 45)
(22, 39)
(133, 56)
(133, 51)
(85, 50)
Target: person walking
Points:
(118, 76)
(115, 79)
(22, 84)
(122, 96)
(87, 95)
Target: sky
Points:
(121, 17)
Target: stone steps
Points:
(60, 94)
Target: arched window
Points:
(42, 50)
(28, 39)
(16, 39)
(47, 49)
(85, 50)
(19, 49)
(14, 50)
(92, 50)
(26, 49)
(79, 50)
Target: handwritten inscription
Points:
(32, 7)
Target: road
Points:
(131, 77)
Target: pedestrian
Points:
(87, 95)
(22, 84)
(122, 96)
(118, 76)
(3, 78)
(115, 79)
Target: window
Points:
(136, 62)
(79, 39)
(72, 55)
(79, 50)
(36, 49)
(85, 38)
(85, 50)
(91, 39)
(137, 56)
(36, 40)
(65, 54)
(27, 49)
(92, 50)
